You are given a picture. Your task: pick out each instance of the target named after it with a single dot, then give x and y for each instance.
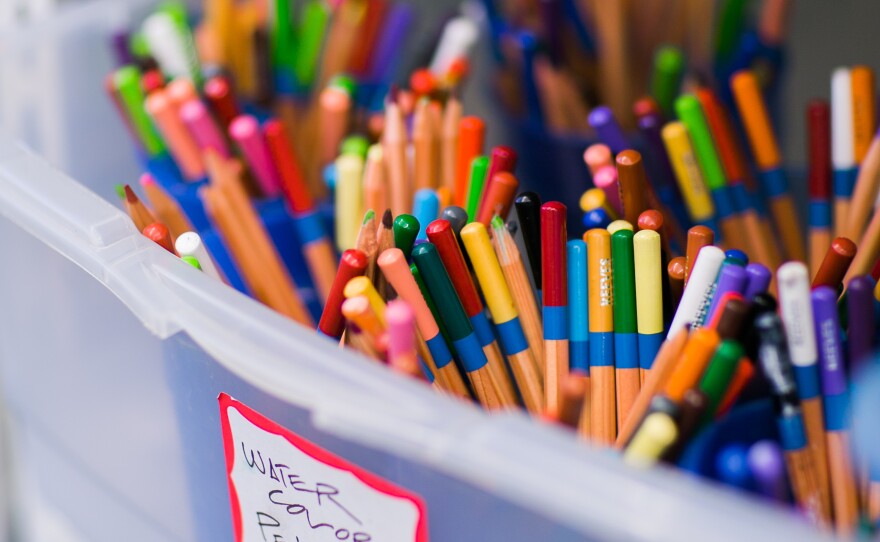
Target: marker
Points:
(357, 309)
(818, 130)
(765, 149)
(352, 263)
(555, 301)
(528, 213)
(190, 244)
(836, 402)
(601, 315)
(758, 279)
(498, 197)
(694, 359)
(797, 315)
(578, 310)
(597, 218)
(204, 130)
(842, 145)
(699, 287)
(732, 467)
(596, 156)
(465, 341)
(731, 278)
(610, 133)
(649, 297)
(697, 238)
(716, 380)
(675, 270)
(691, 114)
(626, 347)
(127, 86)
(505, 316)
(861, 321)
(657, 433)
(222, 100)
(863, 109)
(596, 198)
(401, 338)
(666, 77)
(693, 188)
(393, 264)
(439, 232)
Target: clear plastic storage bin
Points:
(113, 353)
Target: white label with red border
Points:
(284, 488)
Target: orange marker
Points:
(471, 132)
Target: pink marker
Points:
(203, 128)
(596, 156)
(606, 179)
(400, 320)
(245, 130)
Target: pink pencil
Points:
(400, 320)
(245, 131)
(203, 128)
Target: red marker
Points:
(503, 159)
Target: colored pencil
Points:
(555, 301)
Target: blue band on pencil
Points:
(820, 214)
(427, 372)
(511, 336)
(791, 433)
(482, 328)
(723, 203)
(835, 412)
(649, 345)
(601, 349)
(470, 353)
(774, 182)
(309, 227)
(844, 182)
(626, 351)
(555, 323)
(579, 356)
(807, 378)
(439, 351)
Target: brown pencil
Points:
(165, 207)
(140, 215)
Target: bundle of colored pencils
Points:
(643, 334)
(559, 58)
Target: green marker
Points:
(315, 16)
(355, 144)
(626, 342)
(479, 166)
(405, 228)
(176, 10)
(666, 77)
(127, 81)
(718, 375)
(193, 261)
(283, 41)
(730, 26)
(691, 114)
(120, 191)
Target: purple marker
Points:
(602, 120)
(391, 38)
(757, 282)
(767, 465)
(732, 278)
(860, 319)
(657, 161)
(831, 362)
(120, 48)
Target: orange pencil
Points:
(601, 337)
(471, 133)
(765, 149)
(165, 207)
(394, 151)
(448, 160)
(697, 238)
(140, 215)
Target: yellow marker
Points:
(655, 435)
(649, 296)
(510, 332)
(687, 172)
(618, 225)
(364, 286)
(349, 200)
(595, 198)
(863, 110)
(603, 415)
(877, 291)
